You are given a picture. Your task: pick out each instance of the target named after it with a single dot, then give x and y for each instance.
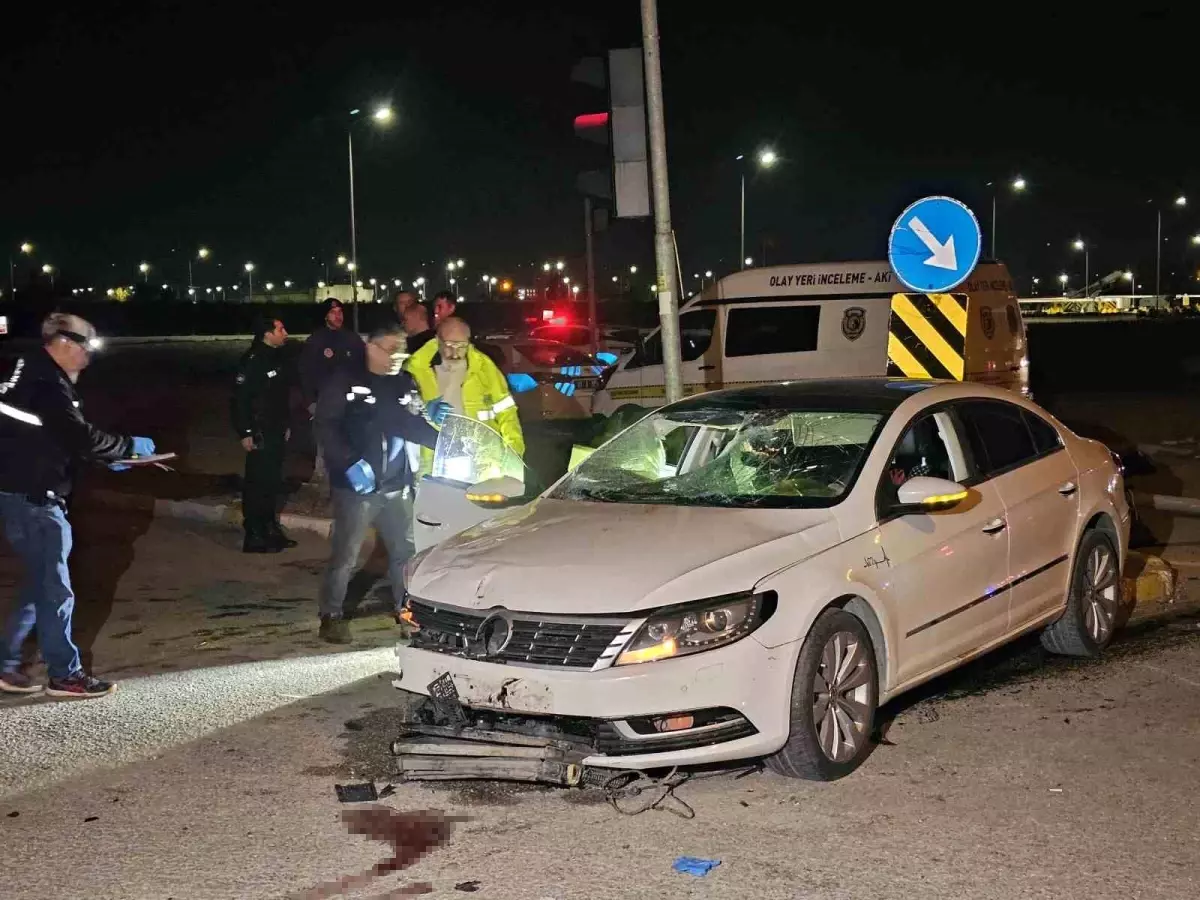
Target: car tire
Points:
(826, 744)
(1093, 600)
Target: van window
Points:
(695, 336)
(772, 329)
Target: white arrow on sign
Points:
(943, 256)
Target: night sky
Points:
(145, 131)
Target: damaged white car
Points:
(751, 573)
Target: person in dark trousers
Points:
(328, 350)
(364, 422)
(260, 418)
(416, 326)
(43, 439)
(445, 303)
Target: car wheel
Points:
(1093, 600)
(834, 696)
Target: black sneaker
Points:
(260, 544)
(334, 631)
(78, 687)
(278, 537)
(18, 683)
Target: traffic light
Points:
(622, 128)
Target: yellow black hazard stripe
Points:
(927, 336)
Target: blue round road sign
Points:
(934, 244)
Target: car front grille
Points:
(561, 641)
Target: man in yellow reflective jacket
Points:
(453, 370)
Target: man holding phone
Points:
(261, 412)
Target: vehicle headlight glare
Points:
(694, 627)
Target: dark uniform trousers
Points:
(263, 482)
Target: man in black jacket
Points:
(43, 438)
(364, 422)
(328, 350)
(260, 418)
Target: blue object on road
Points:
(437, 410)
(934, 245)
(519, 383)
(694, 865)
(361, 477)
(143, 446)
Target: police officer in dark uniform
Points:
(260, 417)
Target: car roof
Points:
(857, 394)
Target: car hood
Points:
(562, 556)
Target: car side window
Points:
(999, 438)
(929, 446)
(1045, 436)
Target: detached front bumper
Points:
(737, 699)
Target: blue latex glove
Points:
(565, 387)
(118, 467)
(361, 477)
(437, 410)
(692, 865)
(607, 357)
(520, 382)
(143, 446)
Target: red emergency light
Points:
(591, 120)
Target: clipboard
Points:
(154, 459)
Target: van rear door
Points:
(995, 341)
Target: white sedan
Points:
(752, 572)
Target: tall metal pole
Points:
(1158, 259)
(593, 325)
(742, 264)
(668, 302)
(250, 287)
(1086, 279)
(353, 234)
(993, 225)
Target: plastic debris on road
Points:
(694, 865)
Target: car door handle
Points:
(1068, 489)
(429, 524)
(995, 526)
(706, 368)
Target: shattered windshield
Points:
(729, 457)
(468, 451)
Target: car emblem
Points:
(854, 323)
(493, 635)
(987, 321)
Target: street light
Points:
(26, 248)
(1180, 202)
(48, 269)
(249, 267)
(270, 285)
(1080, 245)
(633, 270)
(202, 254)
(545, 267)
(765, 158)
(1017, 185)
(560, 265)
(747, 262)
(341, 260)
(321, 285)
(382, 116)
(287, 284)
(144, 268)
(1062, 279)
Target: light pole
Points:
(249, 267)
(144, 268)
(1180, 201)
(1018, 184)
(1080, 245)
(201, 254)
(26, 248)
(382, 115)
(49, 270)
(1062, 279)
(765, 159)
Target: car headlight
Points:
(694, 627)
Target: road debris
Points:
(694, 865)
(467, 887)
(364, 792)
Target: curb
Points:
(190, 510)
(1148, 580)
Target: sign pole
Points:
(593, 325)
(668, 305)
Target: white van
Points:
(831, 320)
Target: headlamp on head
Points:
(91, 344)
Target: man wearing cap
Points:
(43, 439)
(261, 413)
(329, 350)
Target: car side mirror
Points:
(926, 495)
(495, 493)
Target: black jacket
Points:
(368, 417)
(417, 341)
(260, 392)
(327, 351)
(43, 434)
